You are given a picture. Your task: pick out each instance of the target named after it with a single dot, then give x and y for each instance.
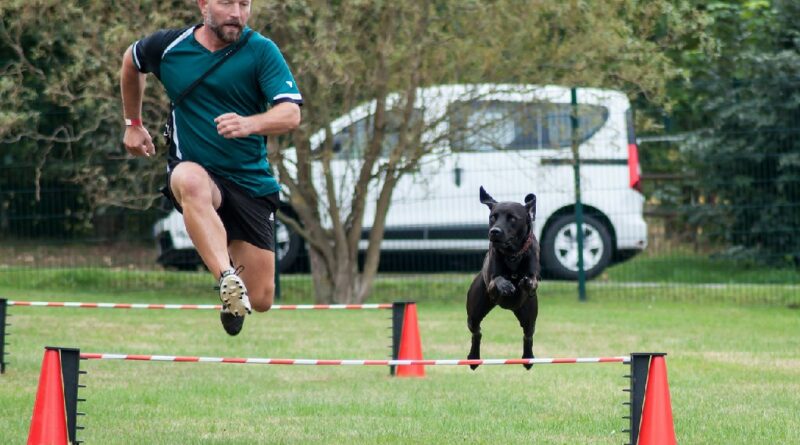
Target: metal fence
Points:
(719, 228)
(46, 244)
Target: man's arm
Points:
(137, 139)
(280, 119)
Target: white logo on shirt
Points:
(288, 82)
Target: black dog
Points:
(510, 274)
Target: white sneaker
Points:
(233, 293)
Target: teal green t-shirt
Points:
(253, 78)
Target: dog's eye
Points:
(492, 218)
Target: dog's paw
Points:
(473, 356)
(529, 365)
(505, 288)
(528, 285)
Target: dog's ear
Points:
(530, 205)
(487, 199)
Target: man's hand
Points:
(138, 142)
(231, 125)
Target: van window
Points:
(351, 142)
(496, 125)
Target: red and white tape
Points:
(318, 362)
(285, 307)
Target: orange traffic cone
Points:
(657, 427)
(410, 344)
(49, 422)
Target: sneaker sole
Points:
(229, 320)
(234, 297)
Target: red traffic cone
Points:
(410, 344)
(657, 427)
(49, 422)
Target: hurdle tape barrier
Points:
(640, 372)
(346, 362)
(398, 314)
(275, 307)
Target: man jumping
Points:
(218, 173)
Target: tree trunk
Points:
(323, 286)
(335, 283)
(400, 47)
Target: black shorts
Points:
(245, 218)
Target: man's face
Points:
(226, 18)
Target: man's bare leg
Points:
(199, 197)
(258, 273)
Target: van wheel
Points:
(287, 246)
(560, 248)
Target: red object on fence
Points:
(657, 426)
(410, 344)
(634, 168)
(49, 421)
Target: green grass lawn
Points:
(687, 267)
(734, 371)
(684, 277)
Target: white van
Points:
(512, 140)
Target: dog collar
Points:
(525, 247)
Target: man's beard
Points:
(224, 34)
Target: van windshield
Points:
(484, 125)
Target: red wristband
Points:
(133, 122)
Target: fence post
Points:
(576, 164)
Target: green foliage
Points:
(43, 208)
(60, 62)
(402, 46)
(749, 150)
(61, 108)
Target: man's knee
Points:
(190, 182)
(261, 306)
(263, 302)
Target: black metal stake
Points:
(640, 367)
(398, 314)
(3, 344)
(70, 371)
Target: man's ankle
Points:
(231, 271)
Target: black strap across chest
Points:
(231, 51)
